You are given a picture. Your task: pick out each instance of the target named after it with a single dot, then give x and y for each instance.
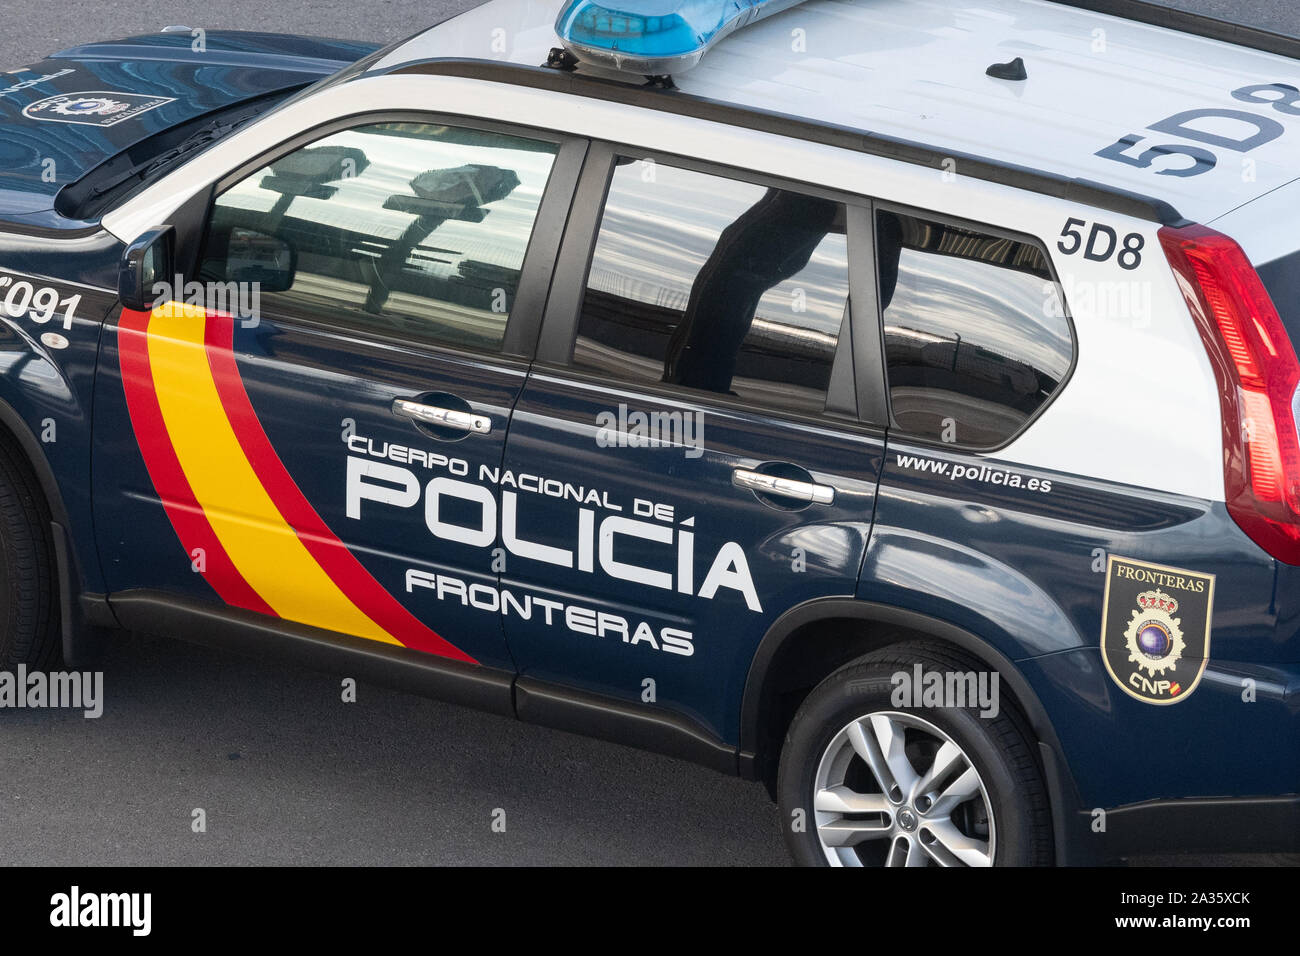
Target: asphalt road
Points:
(285, 772)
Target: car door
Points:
(311, 447)
(692, 456)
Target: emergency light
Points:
(654, 37)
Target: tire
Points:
(29, 615)
(982, 804)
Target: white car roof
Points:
(915, 70)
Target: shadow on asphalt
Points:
(285, 772)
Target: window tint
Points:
(976, 339)
(405, 228)
(718, 285)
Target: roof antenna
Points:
(1015, 70)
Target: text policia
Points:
(592, 540)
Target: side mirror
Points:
(254, 257)
(148, 261)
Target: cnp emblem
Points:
(1155, 629)
(97, 108)
(1155, 641)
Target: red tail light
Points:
(1257, 374)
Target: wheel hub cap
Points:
(893, 789)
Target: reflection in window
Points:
(406, 228)
(716, 285)
(976, 339)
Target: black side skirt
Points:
(489, 689)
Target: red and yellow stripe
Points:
(227, 492)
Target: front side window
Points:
(717, 285)
(976, 338)
(408, 229)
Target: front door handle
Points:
(783, 487)
(466, 422)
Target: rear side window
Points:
(976, 337)
(713, 284)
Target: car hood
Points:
(63, 116)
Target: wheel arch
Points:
(17, 428)
(78, 635)
(835, 631)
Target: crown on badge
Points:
(1158, 601)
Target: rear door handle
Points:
(783, 487)
(466, 422)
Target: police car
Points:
(893, 402)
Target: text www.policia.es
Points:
(980, 473)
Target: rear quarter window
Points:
(976, 336)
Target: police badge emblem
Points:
(1155, 629)
(96, 108)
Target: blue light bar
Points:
(654, 37)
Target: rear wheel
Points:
(29, 617)
(864, 782)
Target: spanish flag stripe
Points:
(192, 527)
(342, 567)
(261, 544)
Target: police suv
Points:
(894, 402)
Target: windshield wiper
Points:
(193, 143)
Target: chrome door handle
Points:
(783, 487)
(442, 417)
